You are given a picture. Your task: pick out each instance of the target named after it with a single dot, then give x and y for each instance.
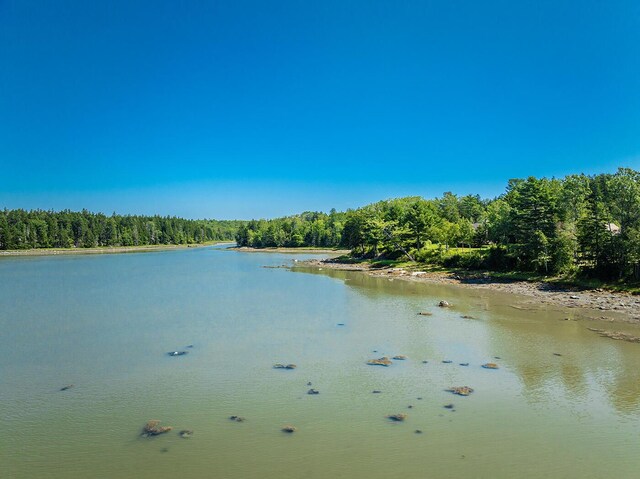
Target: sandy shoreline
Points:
(101, 250)
(608, 305)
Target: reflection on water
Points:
(550, 356)
(105, 324)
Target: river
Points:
(564, 403)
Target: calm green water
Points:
(104, 324)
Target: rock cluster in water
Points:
(461, 390)
(153, 428)
(383, 361)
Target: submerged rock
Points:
(464, 364)
(384, 361)
(284, 366)
(177, 353)
(186, 433)
(460, 390)
(289, 428)
(397, 417)
(376, 391)
(449, 406)
(66, 388)
(447, 361)
(466, 316)
(418, 431)
(490, 366)
(153, 428)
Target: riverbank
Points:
(102, 250)
(608, 305)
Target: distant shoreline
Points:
(299, 250)
(102, 250)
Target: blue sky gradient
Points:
(241, 109)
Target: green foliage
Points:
(430, 255)
(580, 224)
(307, 229)
(473, 260)
(20, 229)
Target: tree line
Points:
(306, 229)
(578, 224)
(21, 229)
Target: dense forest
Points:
(579, 224)
(20, 229)
(306, 229)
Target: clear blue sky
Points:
(239, 109)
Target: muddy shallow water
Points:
(564, 403)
